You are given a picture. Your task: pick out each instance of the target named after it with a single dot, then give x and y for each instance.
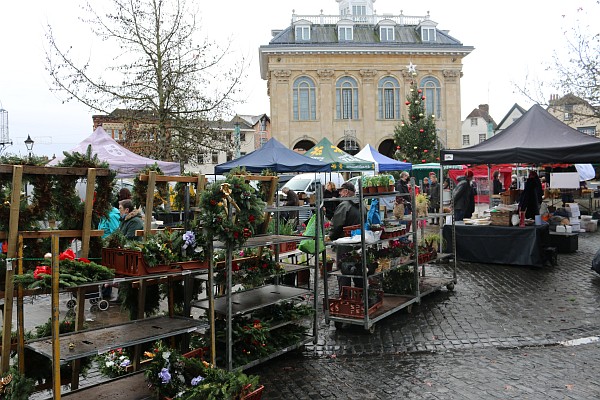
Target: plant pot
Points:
(382, 189)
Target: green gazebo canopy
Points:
(327, 152)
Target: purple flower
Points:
(189, 238)
(197, 380)
(165, 376)
(125, 363)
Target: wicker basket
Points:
(501, 218)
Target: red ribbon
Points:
(41, 270)
(67, 255)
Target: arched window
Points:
(346, 98)
(304, 103)
(433, 96)
(388, 98)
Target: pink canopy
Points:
(126, 163)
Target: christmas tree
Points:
(415, 137)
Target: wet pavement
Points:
(499, 335)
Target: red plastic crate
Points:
(132, 263)
(351, 304)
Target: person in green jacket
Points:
(131, 220)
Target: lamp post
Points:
(29, 144)
(236, 140)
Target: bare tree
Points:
(577, 74)
(161, 76)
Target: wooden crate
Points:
(132, 263)
(351, 304)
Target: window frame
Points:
(346, 29)
(346, 90)
(385, 37)
(304, 31)
(428, 34)
(432, 90)
(388, 98)
(482, 137)
(466, 140)
(474, 122)
(304, 99)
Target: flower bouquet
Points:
(114, 363)
(170, 375)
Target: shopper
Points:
(131, 220)
(497, 184)
(434, 197)
(347, 213)
(463, 196)
(403, 190)
(532, 196)
(291, 200)
(329, 193)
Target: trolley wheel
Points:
(94, 308)
(94, 300)
(338, 325)
(71, 304)
(450, 287)
(103, 305)
(409, 308)
(70, 313)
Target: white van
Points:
(306, 183)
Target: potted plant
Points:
(382, 183)
(422, 204)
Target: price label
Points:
(9, 265)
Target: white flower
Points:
(110, 364)
(166, 354)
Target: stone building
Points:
(576, 112)
(345, 77)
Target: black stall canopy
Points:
(536, 138)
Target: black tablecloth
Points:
(499, 244)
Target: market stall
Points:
(536, 138)
(327, 152)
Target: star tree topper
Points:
(411, 68)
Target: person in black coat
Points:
(532, 196)
(497, 183)
(329, 193)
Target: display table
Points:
(499, 244)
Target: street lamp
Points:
(236, 140)
(29, 144)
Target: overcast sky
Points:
(512, 39)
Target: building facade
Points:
(478, 126)
(576, 112)
(345, 77)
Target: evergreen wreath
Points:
(141, 188)
(247, 209)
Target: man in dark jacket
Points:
(131, 220)
(434, 197)
(347, 213)
(463, 196)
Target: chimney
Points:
(485, 108)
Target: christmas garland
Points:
(247, 209)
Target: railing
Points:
(374, 19)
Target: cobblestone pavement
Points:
(496, 336)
